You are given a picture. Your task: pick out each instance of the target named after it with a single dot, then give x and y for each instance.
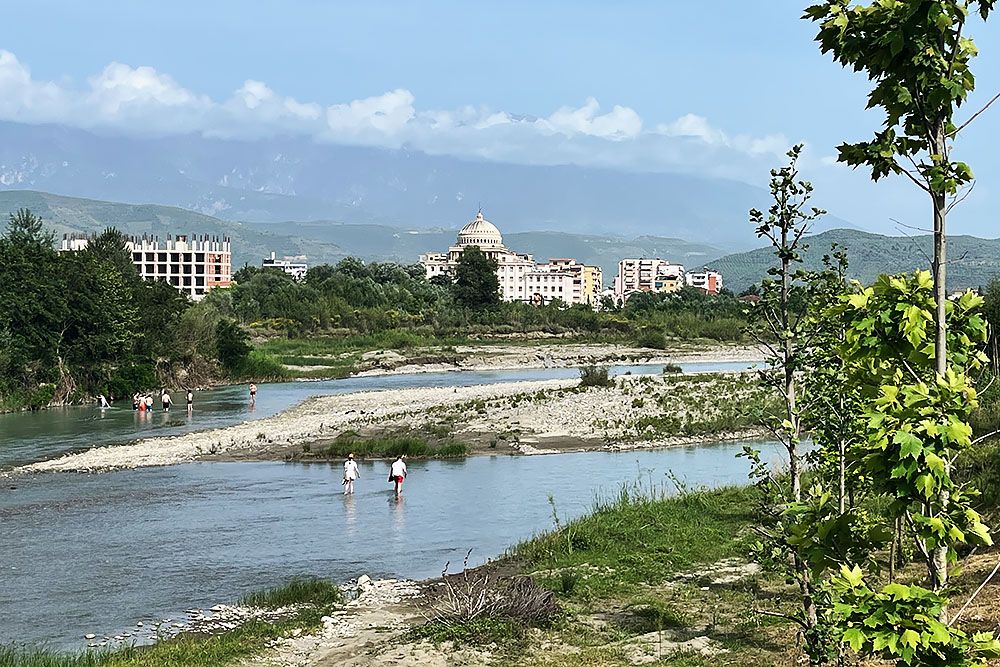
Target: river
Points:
(97, 553)
(33, 436)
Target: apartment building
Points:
(193, 265)
(707, 280)
(647, 275)
(296, 267)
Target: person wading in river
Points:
(253, 394)
(350, 474)
(190, 400)
(397, 472)
(165, 400)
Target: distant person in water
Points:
(190, 400)
(103, 401)
(253, 394)
(397, 473)
(135, 401)
(149, 403)
(350, 474)
(165, 400)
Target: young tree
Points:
(780, 322)
(476, 283)
(918, 58)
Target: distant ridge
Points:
(330, 241)
(973, 261)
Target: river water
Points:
(33, 436)
(97, 553)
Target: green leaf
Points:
(855, 637)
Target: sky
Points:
(718, 88)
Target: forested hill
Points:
(972, 261)
(73, 214)
(329, 241)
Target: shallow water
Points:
(96, 553)
(33, 436)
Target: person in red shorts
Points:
(397, 472)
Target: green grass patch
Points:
(261, 367)
(391, 446)
(298, 591)
(640, 538)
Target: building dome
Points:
(480, 232)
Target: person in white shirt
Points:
(396, 474)
(350, 474)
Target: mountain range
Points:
(973, 261)
(273, 180)
(327, 241)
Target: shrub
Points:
(671, 369)
(595, 376)
(652, 338)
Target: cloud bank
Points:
(142, 100)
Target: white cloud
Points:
(143, 100)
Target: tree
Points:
(232, 344)
(476, 283)
(781, 328)
(918, 59)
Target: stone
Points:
(89, 636)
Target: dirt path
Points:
(369, 631)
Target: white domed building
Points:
(521, 279)
(511, 266)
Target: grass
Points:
(312, 598)
(639, 538)
(392, 445)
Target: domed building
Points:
(480, 232)
(521, 279)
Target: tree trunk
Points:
(938, 569)
(788, 354)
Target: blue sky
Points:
(707, 87)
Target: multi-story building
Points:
(706, 280)
(647, 275)
(521, 279)
(296, 266)
(194, 266)
(586, 285)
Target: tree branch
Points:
(979, 590)
(974, 116)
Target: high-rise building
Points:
(194, 266)
(647, 275)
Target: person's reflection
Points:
(398, 515)
(350, 516)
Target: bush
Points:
(595, 376)
(652, 339)
(672, 369)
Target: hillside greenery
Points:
(972, 263)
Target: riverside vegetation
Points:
(73, 325)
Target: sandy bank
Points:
(567, 355)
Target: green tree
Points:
(33, 303)
(232, 345)
(918, 58)
(476, 283)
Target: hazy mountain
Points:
(328, 241)
(72, 215)
(273, 180)
(972, 261)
